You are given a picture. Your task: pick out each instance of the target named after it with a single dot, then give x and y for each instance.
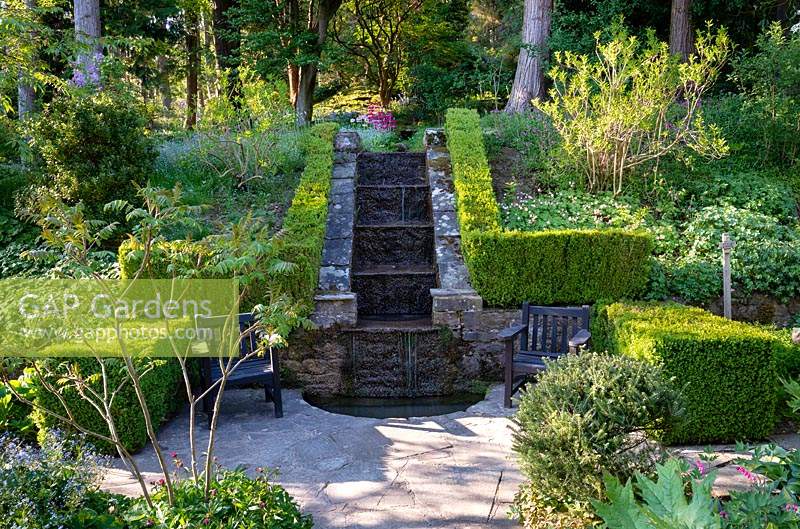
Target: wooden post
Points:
(727, 245)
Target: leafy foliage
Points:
(237, 502)
(768, 77)
(587, 415)
(53, 486)
(284, 268)
(724, 369)
(95, 148)
(619, 112)
(663, 502)
(770, 502)
(508, 267)
(160, 383)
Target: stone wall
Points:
(759, 308)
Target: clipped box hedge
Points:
(725, 369)
(546, 267)
(162, 386)
(557, 267)
(301, 244)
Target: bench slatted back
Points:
(248, 333)
(550, 328)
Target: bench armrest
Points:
(580, 339)
(512, 332)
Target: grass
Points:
(194, 162)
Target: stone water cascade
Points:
(393, 253)
(394, 311)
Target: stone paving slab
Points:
(453, 471)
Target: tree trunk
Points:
(304, 104)
(680, 29)
(164, 89)
(25, 95)
(294, 80)
(529, 79)
(87, 34)
(385, 90)
(318, 23)
(226, 46)
(192, 68)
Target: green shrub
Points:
(160, 385)
(12, 179)
(237, 502)
(95, 148)
(9, 140)
(300, 243)
(768, 77)
(585, 416)
(557, 267)
(477, 207)
(725, 369)
(508, 267)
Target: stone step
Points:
(382, 204)
(393, 244)
(395, 168)
(394, 293)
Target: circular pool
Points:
(394, 407)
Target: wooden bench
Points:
(258, 370)
(544, 333)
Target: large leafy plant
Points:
(663, 502)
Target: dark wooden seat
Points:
(544, 333)
(258, 370)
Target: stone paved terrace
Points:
(453, 471)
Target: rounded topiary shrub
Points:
(587, 415)
(94, 147)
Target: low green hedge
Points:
(557, 267)
(301, 244)
(162, 386)
(547, 267)
(725, 369)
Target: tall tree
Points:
(529, 79)
(192, 66)
(287, 37)
(680, 29)
(86, 18)
(25, 94)
(226, 44)
(373, 32)
(319, 16)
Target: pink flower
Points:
(792, 507)
(700, 467)
(173, 455)
(206, 520)
(723, 515)
(746, 473)
(162, 482)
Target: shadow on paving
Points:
(453, 470)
